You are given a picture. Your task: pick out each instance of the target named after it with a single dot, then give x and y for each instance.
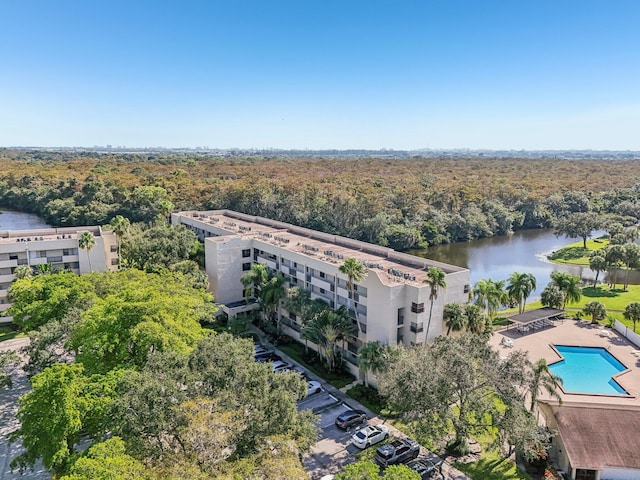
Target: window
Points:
(323, 291)
(467, 288)
(113, 249)
(322, 275)
(74, 251)
(246, 266)
(13, 256)
(417, 327)
(401, 316)
(417, 307)
(246, 253)
(584, 474)
(114, 261)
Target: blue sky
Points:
(557, 74)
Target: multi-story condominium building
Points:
(56, 247)
(392, 301)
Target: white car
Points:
(370, 435)
(279, 366)
(313, 387)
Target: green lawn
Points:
(576, 254)
(492, 466)
(613, 300)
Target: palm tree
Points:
(614, 255)
(569, 285)
(490, 295)
(476, 318)
(372, 357)
(597, 311)
(87, 241)
(120, 226)
(520, 287)
(597, 263)
(543, 378)
(631, 258)
(436, 280)
(454, 317)
(165, 208)
(272, 293)
(355, 273)
(326, 329)
(254, 280)
(632, 312)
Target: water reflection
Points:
(524, 251)
(12, 220)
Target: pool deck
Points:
(578, 333)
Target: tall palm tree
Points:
(631, 258)
(597, 263)
(120, 226)
(454, 317)
(520, 287)
(87, 241)
(543, 378)
(490, 295)
(272, 293)
(436, 280)
(355, 273)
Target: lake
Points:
(12, 220)
(523, 251)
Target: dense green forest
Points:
(402, 203)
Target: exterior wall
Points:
(57, 247)
(379, 298)
(609, 473)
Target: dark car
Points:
(267, 357)
(426, 469)
(398, 451)
(352, 417)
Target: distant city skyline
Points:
(322, 74)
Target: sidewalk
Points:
(448, 470)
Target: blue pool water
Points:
(588, 370)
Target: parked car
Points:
(370, 435)
(280, 365)
(399, 451)
(267, 357)
(313, 387)
(297, 369)
(259, 348)
(352, 417)
(426, 468)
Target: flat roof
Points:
(599, 437)
(42, 234)
(536, 315)
(389, 265)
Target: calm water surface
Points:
(11, 220)
(524, 251)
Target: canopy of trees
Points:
(397, 202)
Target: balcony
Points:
(321, 283)
(417, 327)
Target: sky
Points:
(321, 74)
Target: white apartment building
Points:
(57, 247)
(392, 300)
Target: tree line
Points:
(403, 203)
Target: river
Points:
(523, 251)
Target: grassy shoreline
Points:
(576, 254)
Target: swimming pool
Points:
(588, 370)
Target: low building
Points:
(392, 301)
(595, 442)
(56, 247)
